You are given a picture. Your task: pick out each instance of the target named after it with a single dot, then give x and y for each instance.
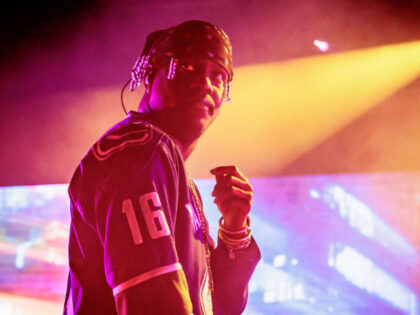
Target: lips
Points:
(208, 104)
(203, 102)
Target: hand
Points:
(233, 196)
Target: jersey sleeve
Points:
(135, 212)
(231, 277)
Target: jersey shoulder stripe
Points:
(146, 276)
(134, 133)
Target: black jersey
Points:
(136, 240)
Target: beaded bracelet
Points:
(245, 229)
(233, 244)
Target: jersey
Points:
(136, 239)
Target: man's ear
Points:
(147, 84)
(148, 80)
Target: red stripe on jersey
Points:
(146, 276)
(117, 142)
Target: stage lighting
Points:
(322, 45)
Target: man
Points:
(139, 240)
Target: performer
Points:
(139, 239)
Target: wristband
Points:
(245, 229)
(233, 243)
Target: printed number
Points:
(153, 215)
(155, 220)
(132, 221)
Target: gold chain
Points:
(205, 228)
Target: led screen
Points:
(338, 244)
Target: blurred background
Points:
(324, 119)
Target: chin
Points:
(191, 132)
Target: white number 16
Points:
(155, 218)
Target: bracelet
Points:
(245, 229)
(234, 241)
(233, 244)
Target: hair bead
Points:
(228, 92)
(139, 71)
(171, 70)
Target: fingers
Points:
(228, 170)
(231, 181)
(233, 193)
(231, 176)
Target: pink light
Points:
(322, 45)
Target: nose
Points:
(202, 82)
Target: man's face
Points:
(189, 103)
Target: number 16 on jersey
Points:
(153, 215)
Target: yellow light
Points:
(282, 110)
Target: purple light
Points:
(322, 45)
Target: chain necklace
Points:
(205, 228)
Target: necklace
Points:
(205, 228)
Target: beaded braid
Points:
(142, 65)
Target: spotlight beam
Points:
(282, 110)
